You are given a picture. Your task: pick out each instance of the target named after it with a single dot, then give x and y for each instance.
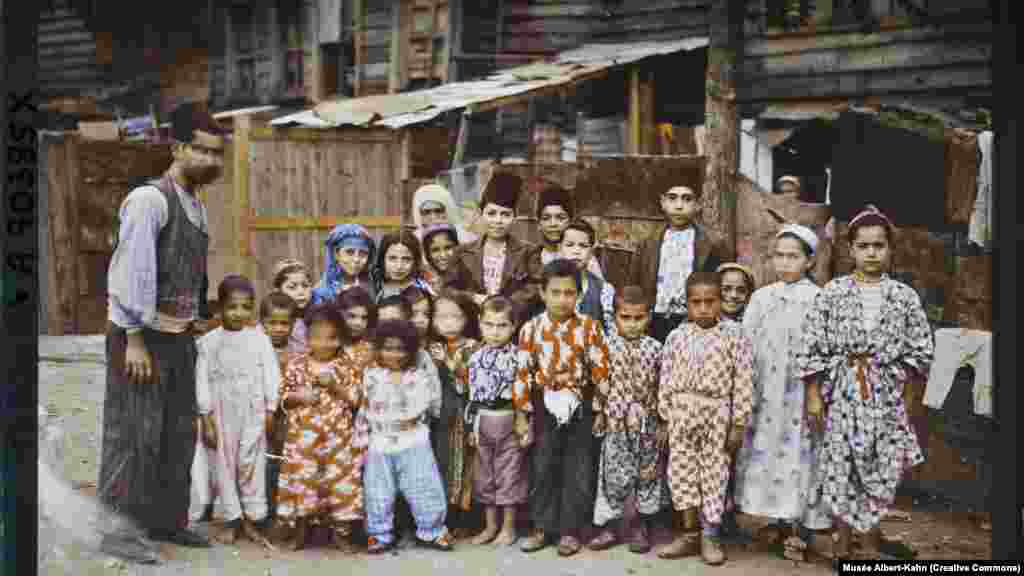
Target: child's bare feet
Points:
(506, 537)
(485, 537)
(253, 534)
(226, 535)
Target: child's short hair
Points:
(554, 194)
(703, 279)
(287, 267)
(395, 300)
(404, 331)
(498, 304)
(414, 294)
(632, 295)
(469, 309)
(560, 268)
(691, 175)
(358, 297)
(581, 226)
(234, 283)
(277, 301)
(326, 312)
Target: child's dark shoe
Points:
(536, 541)
(605, 540)
(568, 546)
(685, 544)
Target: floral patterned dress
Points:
(321, 476)
(776, 465)
(868, 441)
(461, 459)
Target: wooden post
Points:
(63, 206)
(721, 123)
(358, 28)
(633, 139)
(460, 144)
(316, 57)
(648, 132)
(395, 49)
(240, 174)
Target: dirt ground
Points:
(71, 387)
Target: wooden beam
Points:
(634, 133)
(358, 32)
(463, 140)
(395, 53)
(536, 93)
(271, 223)
(833, 39)
(405, 167)
(888, 82)
(240, 175)
(353, 134)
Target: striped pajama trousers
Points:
(412, 472)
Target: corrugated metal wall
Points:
(67, 53)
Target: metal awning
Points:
(499, 89)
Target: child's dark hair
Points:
(553, 194)
(581, 226)
(277, 301)
(395, 300)
(405, 238)
(631, 296)
(327, 312)
(469, 309)
(803, 245)
(703, 279)
(428, 238)
(560, 268)
(358, 297)
(404, 331)
(499, 305)
(234, 283)
(297, 268)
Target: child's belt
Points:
(860, 362)
(396, 426)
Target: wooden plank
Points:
(862, 84)
(265, 223)
(633, 87)
(352, 134)
(359, 25)
(47, 286)
(241, 171)
(539, 92)
(63, 178)
(873, 58)
(834, 39)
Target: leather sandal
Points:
(442, 542)
(568, 546)
(375, 546)
(603, 541)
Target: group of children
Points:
(409, 384)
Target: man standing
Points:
(157, 298)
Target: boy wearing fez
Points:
(705, 399)
(496, 263)
(562, 381)
(664, 261)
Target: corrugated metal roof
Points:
(400, 110)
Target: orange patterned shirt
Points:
(547, 348)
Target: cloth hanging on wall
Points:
(980, 227)
(955, 348)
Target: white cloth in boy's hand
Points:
(561, 404)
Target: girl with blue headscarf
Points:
(348, 251)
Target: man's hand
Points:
(735, 439)
(210, 432)
(138, 364)
(472, 440)
(268, 425)
(600, 424)
(246, 471)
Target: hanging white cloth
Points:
(980, 226)
(955, 348)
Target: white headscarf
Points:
(439, 194)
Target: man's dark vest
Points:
(181, 251)
(591, 305)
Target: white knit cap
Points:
(802, 232)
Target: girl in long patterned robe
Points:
(321, 478)
(775, 468)
(864, 336)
